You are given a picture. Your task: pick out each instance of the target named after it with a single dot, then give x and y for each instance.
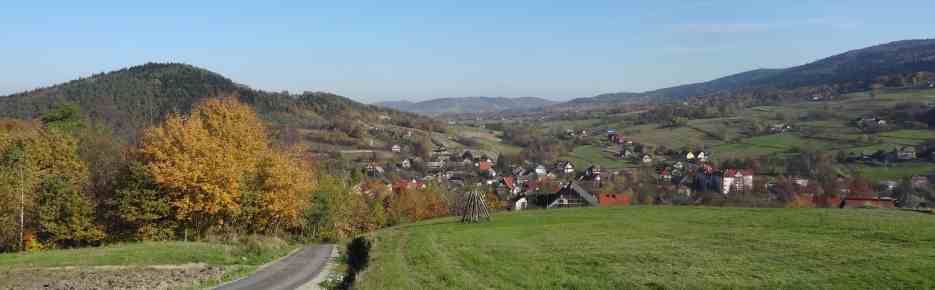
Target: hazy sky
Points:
(383, 50)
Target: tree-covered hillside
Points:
(137, 97)
(895, 64)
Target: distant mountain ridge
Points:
(895, 63)
(467, 105)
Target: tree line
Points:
(66, 181)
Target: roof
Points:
(742, 172)
(483, 165)
(509, 181)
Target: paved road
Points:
(288, 273)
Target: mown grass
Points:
(660, 248)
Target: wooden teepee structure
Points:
(473, 208)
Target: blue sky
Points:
(390, 50)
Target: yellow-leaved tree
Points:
(217, 167)
(41, 178)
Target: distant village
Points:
(670, 177)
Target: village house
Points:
(665, 174)
(373, 170)
(406, 163)
(800, 181)
(779, 128)
(611, 199)
(410, 184)
(566, 167)
(435, 165)
(734, 180)
(647, 159)
(570, 195)
(593, 173)
(919, 181)
(541, 170)
(396, 148)
(906, 153)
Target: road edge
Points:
(315, 283)
(261, 267)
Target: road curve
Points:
(288, 273)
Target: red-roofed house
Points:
(736, 180)
(403, 185)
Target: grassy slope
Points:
(660, 247)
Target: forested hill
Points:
(467, 105)
(133, 98)
(895, 64)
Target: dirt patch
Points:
(154, 277)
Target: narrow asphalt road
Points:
(288, 273)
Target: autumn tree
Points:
(41, 178)
(217, 167)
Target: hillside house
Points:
(566, 167)
(593, 173)
(919, 181)
(736, 180)
(541, 170)
(610, 199)
(665, 174)
(616, 138)
(800, 181)
(435, 165)
(373, 170)
(647, 159)
(906, 153)
(570, 195)
(678, 165)
(779, 128)
(403, 185)
(396, 148)
(520, 203)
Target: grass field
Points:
(660, 248)
(896, 172)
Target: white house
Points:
(702, 156)
(520, 204)
(396, 148)
(736, 180)
(540, 170)
(647, 159)
(690, 156)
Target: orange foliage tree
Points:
(217, 167)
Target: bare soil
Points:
(75, 278)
